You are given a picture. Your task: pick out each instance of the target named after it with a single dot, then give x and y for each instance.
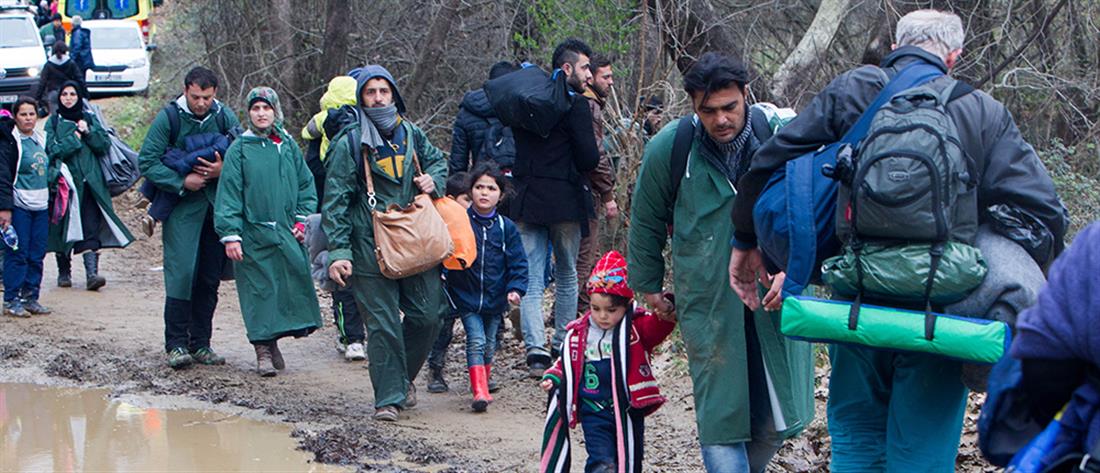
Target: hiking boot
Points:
(35, 308)
(436, 383)
(355, 352)
(148, 225)
(493, 386)
(15, 309)
(91, 269)
(386, 413)
(206, 356)
(263, 360)
(537, 363)
(410, 397)
(178, 358)
(64, 270)
(277, 356)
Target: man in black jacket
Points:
(900, 411)
(553, 204)
(475, 118)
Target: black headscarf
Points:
(76, 112)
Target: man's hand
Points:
(233, 250)
(5, 218)
(210, 170)
(746, 267)
(339, 271)
(659, 304)
(612, 209)
(773, 300)
(425, 183)
(194, 182)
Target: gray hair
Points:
(933, 30)
(77, 20)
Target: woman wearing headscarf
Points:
(82, 218)
(264, 195)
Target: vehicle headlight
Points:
(140, 62)
(33, 71)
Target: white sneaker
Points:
(355, 352)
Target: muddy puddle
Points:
(81, 430)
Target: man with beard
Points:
(603, 177)
(553, 204)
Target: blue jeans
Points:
(23, 268)
(601, 441)
(892, 411)
(481, 337)
(566, 240)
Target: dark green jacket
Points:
(182, 230)
(347, 219)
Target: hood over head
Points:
(374, 71)
(341, 91)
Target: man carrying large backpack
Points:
(891, 411)
(752, 387)
(194, 259)
(478, 133)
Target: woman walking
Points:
(82, 218)
(264, 195)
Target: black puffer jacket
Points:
(8, 162)
(1009, 171)
(55, 74)
(550, 173)
(471, 124)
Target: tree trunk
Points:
(431, 50)
(814, 44)
(334, 45)
(689, 29)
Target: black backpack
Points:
(499, 144)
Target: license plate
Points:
(8, 98)
(102, 77)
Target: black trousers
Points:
(347, 317)
(188, 324)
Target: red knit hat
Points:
(609, 276)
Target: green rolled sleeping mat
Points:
(962, 338)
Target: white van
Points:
(21, 54)
(120, 55)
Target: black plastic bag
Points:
(530, 99)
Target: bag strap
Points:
(173, 114)
(911, 76)
(681, 147)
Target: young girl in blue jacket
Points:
(497, 278)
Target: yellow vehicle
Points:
(137, 10)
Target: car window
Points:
(17, 33)
(122, 8)
(116, 38)
(83, 8)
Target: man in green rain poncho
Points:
(384, 144)
(194, 260)
(264, 196)
(752, 387)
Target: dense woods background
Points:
(1040, 57)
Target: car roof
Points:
(7, 11)
(131, 24)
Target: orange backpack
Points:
(458, 224)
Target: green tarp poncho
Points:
(264, 190)
(182, 231)
(711, 317)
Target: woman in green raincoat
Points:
(74, 142)
(264, 195)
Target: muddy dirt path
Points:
(114, 338)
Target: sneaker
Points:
(386, 413)
(206, 356)
(178, 358)
(355, 352)
(15, 309)
(148, 225)
(537, 363)
(65, 280)
(35, 308)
